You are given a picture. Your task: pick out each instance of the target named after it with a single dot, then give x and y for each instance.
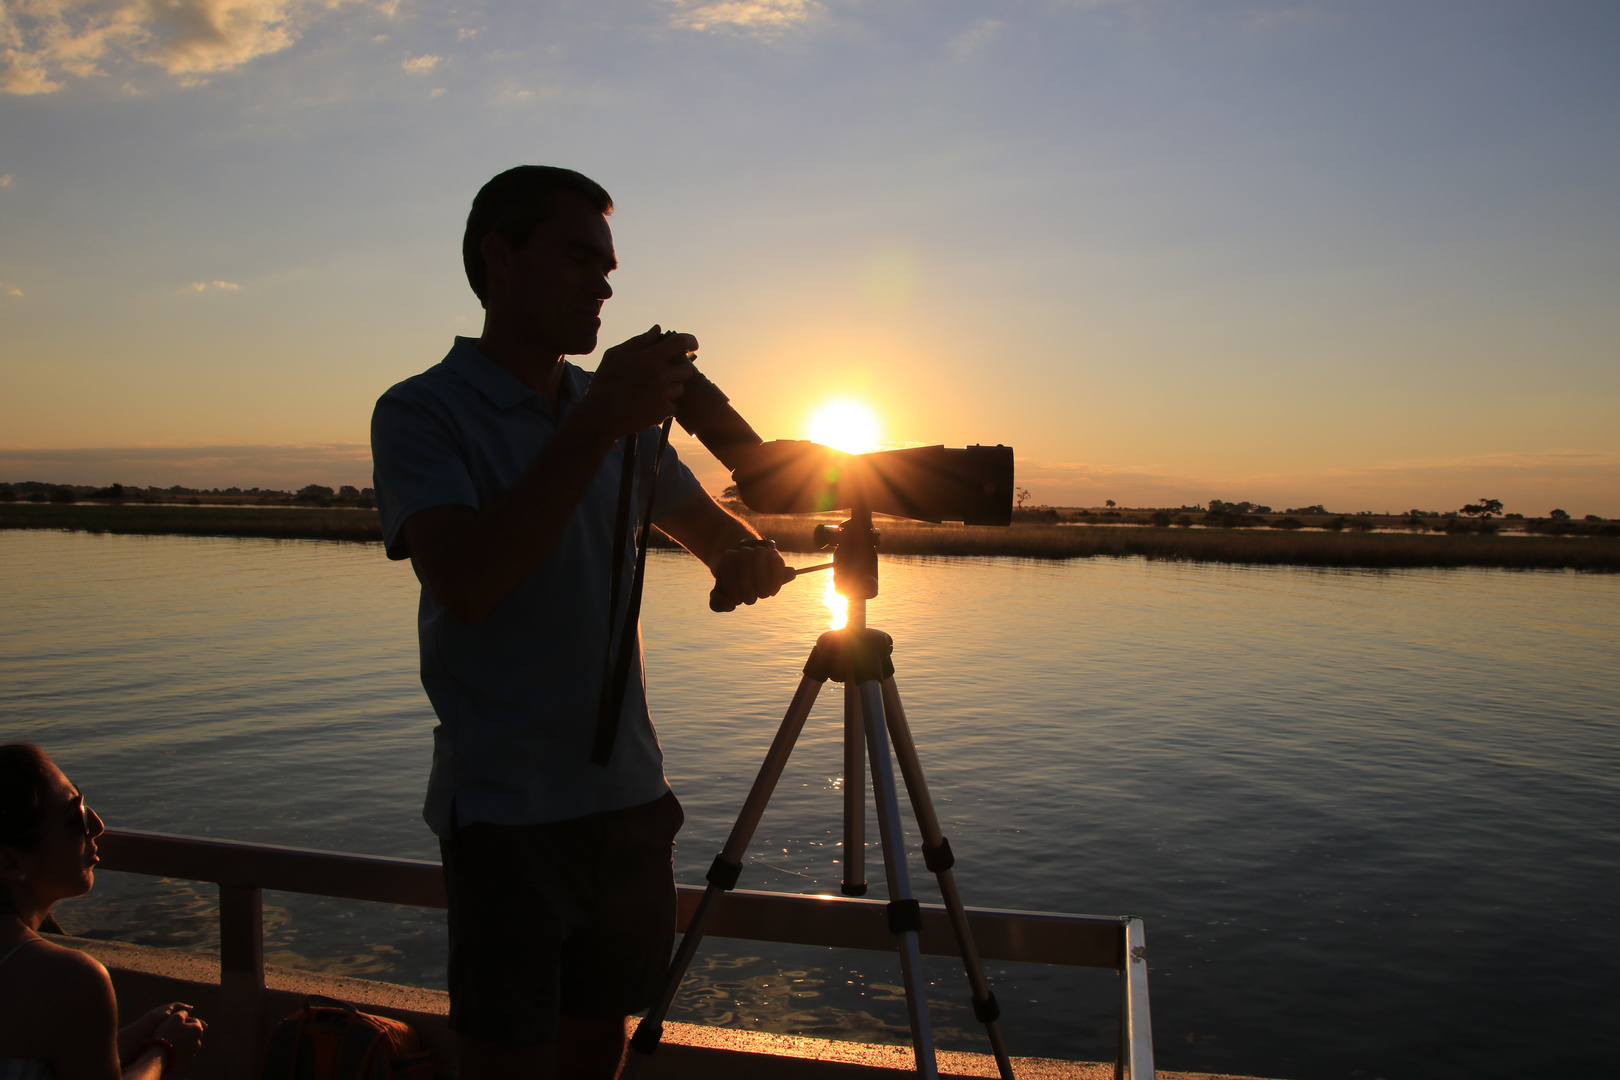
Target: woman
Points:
(58, 1016)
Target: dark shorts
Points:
(572, 918)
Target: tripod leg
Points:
(905, 916)
(723, 872)
(937, 854)
(854, 883)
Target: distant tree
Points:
(1161, 518)
(1021, 496)
(1110, 504)
(348, 491)
(315, 491)
(1483, 509)
(1593, 517)
(1559, 515)
(63, 495)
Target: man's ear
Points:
(11, 866)
(497, 252)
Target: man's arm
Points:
(741, 574)
(470, 559)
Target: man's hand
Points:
(745, 567)
(746, 573)
(637, 383)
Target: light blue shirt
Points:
(516, 695)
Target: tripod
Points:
(860, 658)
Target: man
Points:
(497, 475)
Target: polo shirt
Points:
(517, 695)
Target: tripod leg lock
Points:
(904, 916)
(723, 874)
(646, 1038)
(939, 859)
(986, 1010)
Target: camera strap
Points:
(616, 669)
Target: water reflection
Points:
(1311, 783)
(837, 606)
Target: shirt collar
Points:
(497, 384)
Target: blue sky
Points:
(1362, 253)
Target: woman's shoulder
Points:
(62, 975)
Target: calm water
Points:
(1372, 819)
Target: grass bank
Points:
(1250, 546)
(1029, 541)
(173, 519)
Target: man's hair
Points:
(513, 203)
(24, 789)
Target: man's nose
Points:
(97, 826)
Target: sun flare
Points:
(845, 425)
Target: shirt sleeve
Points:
(676, 483)
(417, 463)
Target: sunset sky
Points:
(1361, 253)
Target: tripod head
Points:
(854, 547)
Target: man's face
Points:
(556, 283)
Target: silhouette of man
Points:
(497, 475)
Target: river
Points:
(1371, 819)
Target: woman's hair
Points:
(24, 787)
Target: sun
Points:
(845, 425)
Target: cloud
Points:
(42, 42)
(5, 181)
(421, 65)
(969, 42)
(13, 291)
(204, 286)
(760, 18)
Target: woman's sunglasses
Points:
(78, 815)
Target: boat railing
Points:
(244, 870)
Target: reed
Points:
(277, 523)
(1248, 546)
(1028, 541)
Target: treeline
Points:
(1475, 518)
(309, 495)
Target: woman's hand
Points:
(132, 1035)
(182, 1031)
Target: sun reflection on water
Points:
(837, 606)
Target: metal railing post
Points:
(1135, 1023)
(241, 977)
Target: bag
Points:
(332, 1040)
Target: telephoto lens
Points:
(707, 413)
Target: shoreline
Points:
(1348, 549)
